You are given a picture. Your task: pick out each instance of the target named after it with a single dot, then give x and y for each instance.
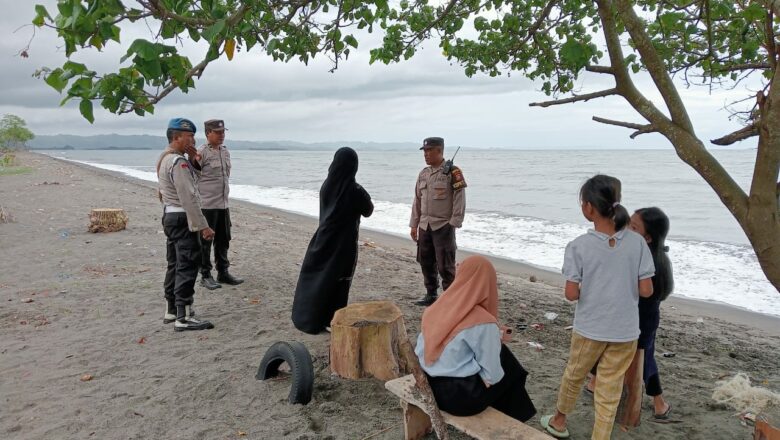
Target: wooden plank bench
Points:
(490, 424)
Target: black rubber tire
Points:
(297, 357)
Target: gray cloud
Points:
(264, 100)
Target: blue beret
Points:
(181, 124)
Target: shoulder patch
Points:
(458, 182)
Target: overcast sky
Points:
(262, 100)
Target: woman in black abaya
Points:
(327, 269)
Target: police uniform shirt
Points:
(213, 177)
(178, 189)
(438, 198)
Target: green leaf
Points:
(40, 14)
(349, 39)
(85, 107)
(211, 32)
(574, 54)
(54, 79)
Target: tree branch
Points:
(640, 128)
(576, 98)
(654, 64)
(745, 66)
(737, 136)
(600, 69)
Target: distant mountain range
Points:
(146, 142)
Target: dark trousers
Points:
(219, 221)
(649, 320)
(183, 255)
(467, 396)
(436, 255)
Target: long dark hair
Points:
(657, 227)
(603, 192)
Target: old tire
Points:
(297, 357)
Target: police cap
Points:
(214, 125)
(181, 124)
(432, 142)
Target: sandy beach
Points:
(76, 303)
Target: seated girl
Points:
(461, 349)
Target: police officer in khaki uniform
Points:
(437, 210)
(182, 222)
(213, 176)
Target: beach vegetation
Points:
(14, 133)
(716, 44)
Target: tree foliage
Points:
(715, 43)
(14, 132)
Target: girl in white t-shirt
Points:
(606, 270)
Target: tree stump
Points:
(366, 341)
(629, 410)
(107, 220)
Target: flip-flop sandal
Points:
(545, 422)
(663, 418)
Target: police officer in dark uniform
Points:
(182, 222)
(438, 209)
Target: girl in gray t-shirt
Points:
(606, 270)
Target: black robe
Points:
(327, 269)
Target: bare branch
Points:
(600, 69)
(576, 98)
(746, 66)
(640, 128)
(739, 135)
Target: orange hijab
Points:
(471, 299)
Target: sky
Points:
(263, 101)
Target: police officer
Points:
(437, 210)
(214, 160)
(182, 222)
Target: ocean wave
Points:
(722, 272)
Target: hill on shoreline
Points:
(147, 142)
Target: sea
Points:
(521, 204)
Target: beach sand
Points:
(97, 305)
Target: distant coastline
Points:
(66, 142)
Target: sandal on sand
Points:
(665, 416)
(545, 421)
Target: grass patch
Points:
(12, 171)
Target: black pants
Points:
(219, 221)
(183, 255)
(467, 396)
(436, 255)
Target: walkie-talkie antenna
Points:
(456, 153)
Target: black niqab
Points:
(327, 269)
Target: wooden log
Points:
(365, 341)
(369, 340)
(768, 425)
(107, 220)
(629, 410)
(423, 388)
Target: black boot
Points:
(427, 300)
(170, 312)
(225, 277)
(208, 282)
(186, 321)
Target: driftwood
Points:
(107, 220)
